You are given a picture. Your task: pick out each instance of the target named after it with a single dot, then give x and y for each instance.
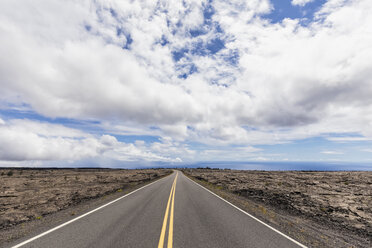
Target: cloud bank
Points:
(212, 72)
(23, 140)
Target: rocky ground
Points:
(336, 206)
(32, 194)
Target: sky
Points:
(114, 83)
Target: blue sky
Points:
(285, 9)
(107, 83)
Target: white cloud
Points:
(332, 152)
(289, 81)
(31, 140)
(301, 2)
(348, 139)
(26, 140)
(307, 76)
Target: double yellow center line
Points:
(164, 228)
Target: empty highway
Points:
(171, 212)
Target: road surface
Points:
(171, 212)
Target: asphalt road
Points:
(171, 212)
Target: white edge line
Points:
(272, 228)
(81, 216)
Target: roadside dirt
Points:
(31, 198)
(319, 209)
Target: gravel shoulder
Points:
(34, 200)
(319, 209)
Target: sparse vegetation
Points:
(335, 200)
(38, 192)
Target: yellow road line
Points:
(162, 234)
(163, 229)
(170, 233)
